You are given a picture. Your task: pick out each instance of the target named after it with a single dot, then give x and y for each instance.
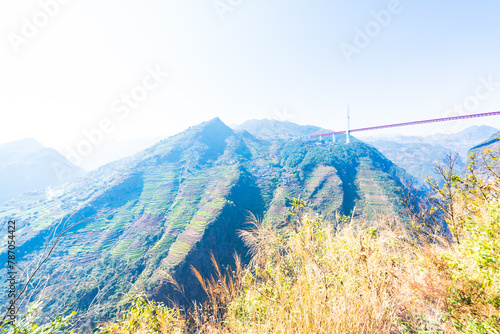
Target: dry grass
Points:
(308, 277)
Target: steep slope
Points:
(147, 213)
(26, 165)
(344, 178)
(159, 212)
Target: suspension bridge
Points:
(348, 131)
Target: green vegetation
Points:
(360, 268)
(156, 213)
(312, 276)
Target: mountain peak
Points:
(214, 128)
(215, 120)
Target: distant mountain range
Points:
(418, 155)
(459, 142)
(168, 207)
(26, 165)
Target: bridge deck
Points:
(434, 120)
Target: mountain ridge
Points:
(274, 129)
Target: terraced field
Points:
(170, 206)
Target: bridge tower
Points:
(347, 135)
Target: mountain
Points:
(170, 206)
(26, 165)
(274, 129)
(492, 145)
(459, 142)
(418, 159)
(418, 155)
(462, 141)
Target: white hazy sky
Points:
(277, 59)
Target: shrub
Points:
(145, 316)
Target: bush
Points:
(145, 316)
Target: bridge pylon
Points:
(347, 133)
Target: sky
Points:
(85, 77)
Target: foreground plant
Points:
(145, 316)
(306, 277)
(469, 205)
(27, 324)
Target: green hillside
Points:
(159, 212)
